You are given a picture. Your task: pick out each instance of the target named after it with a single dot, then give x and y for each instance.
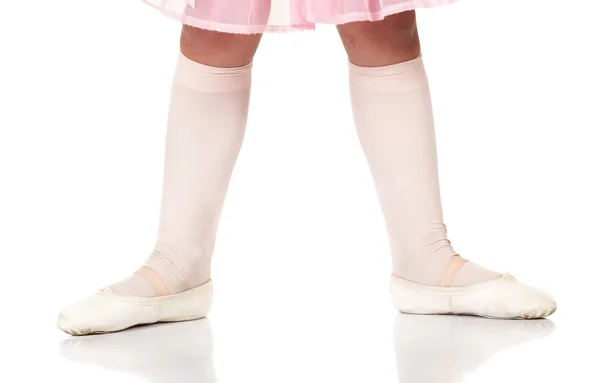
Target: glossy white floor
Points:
(301, 267)
(350, 347)
(355, 338)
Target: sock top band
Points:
(210, 79)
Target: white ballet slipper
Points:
(107, 312)
(503, 298)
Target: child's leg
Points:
(205, 130)
(206, 124)
(394, 120)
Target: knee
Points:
(389, 41)
(218, 49)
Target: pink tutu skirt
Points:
(258, 16)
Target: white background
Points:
(301, 266)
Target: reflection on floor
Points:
(445, 348)
(428, 348)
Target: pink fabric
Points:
(258, 16)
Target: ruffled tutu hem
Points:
(255, 16)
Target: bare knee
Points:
(218, 49)
(392, 40)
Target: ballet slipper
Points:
(503, 298)
(106, 311)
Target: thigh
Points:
(392, 40)
(225, 50)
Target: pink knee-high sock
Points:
(206, 126)
(394, 121)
